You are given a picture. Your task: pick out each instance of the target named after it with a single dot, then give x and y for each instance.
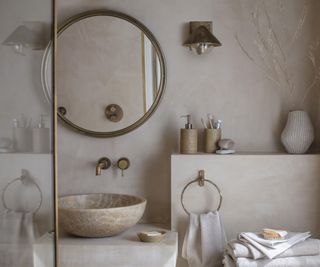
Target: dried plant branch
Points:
(301, 22)
(272, 32)
(270, 48)
(275, 46)
(273, 55)
(254, 62)
(316, 68)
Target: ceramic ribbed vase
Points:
(298, 134)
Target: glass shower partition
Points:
(27, 186)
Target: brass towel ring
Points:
(201, 180)
(21, 179)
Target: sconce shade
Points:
(24, 37)
(201, 38)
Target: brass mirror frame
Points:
(156, 46)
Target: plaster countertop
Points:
(119, 251)
(244, 153)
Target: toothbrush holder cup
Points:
(22, 139)
(212, 137)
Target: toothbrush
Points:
(210, 119)
(217, 124)
(203, 123)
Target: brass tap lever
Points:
(123, 164)
(102, 164)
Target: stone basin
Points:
(99, 215)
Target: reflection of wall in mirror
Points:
(100, 63)
(151, 72)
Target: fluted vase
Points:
(298, 134)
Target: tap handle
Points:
(123, 164)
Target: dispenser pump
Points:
(188, 125)
(42, 122)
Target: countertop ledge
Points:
(122, 250)
(246, 154)
(128, 237)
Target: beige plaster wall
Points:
(249, 92)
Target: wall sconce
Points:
(201, 39)
(32, 36)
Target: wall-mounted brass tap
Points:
(102, 164)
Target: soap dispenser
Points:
(188, 138)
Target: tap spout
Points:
(102, 164)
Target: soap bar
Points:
(152, 233)
(271, 234)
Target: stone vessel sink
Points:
(99, 215)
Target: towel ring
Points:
(21, 179)
(200, 180)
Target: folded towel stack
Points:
(295, 249)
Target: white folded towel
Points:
(204, 241)
(271, 249)
(303, 261)
(243, 249)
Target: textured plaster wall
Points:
(249, 87)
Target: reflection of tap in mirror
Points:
(114, 113)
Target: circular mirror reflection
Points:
(110, 73)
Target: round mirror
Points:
(110, 73)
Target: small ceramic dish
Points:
(151, 236)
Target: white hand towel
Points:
(204, 241)
(276, 249)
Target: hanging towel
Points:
(204, 241)
(18, 232)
